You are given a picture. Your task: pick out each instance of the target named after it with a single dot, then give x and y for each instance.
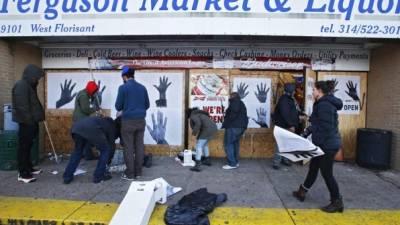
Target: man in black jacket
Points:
(98, 131)
(27, 112)
(286, 116)
(235, 124)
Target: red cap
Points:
(91, 88)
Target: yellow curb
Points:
(30, 211)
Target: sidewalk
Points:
(257, 194)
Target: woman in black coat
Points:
(325, 135)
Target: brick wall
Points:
(384, 94)
(6, 75)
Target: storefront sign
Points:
(330, 18)
(207, 57)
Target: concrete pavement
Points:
(253, 190)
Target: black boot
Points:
(300, 194)
(197, 167)
(206, 161)
(335, 206)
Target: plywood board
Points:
(348, 123)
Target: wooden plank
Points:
(348, 124)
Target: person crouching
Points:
(98, 131)
(204, 129)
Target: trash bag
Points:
(193, 208)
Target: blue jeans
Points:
(202, 147)
(232, 144)
(76, 156)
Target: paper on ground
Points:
(294, 147)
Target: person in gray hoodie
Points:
(27, 111)
(204, 129)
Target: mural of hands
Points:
(352, 91)
(162, 89)
(262, 92)
(261, 118)
(335, 84)
(242, 90)
(66, 93)
(159, 128)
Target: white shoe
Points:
(228, 167)
(27, 179)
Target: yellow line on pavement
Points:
(30, 211)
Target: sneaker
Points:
(125, 177)
(228, 167)
(106, 177)
(36, 171)
(26, 179)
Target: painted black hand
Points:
(159, 128)
(261, 118)
(262, 92)
(335, 85)
(352, 91)
(66, 93)
(162, 90)
(242, 90)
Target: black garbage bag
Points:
(193, 208)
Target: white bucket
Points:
(187, 158)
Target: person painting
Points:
(204, 129)
(100, 132)
(325, 134)
(133, 101)
(83, 108)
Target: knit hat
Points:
(289, 88)
(127, 71)
(91, 88)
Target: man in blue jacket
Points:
(133, 101)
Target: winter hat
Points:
(289, 88)
(91, 88)
(127, 71)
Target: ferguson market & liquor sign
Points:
(330, 18)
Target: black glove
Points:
(66, 94)
(162, 90)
